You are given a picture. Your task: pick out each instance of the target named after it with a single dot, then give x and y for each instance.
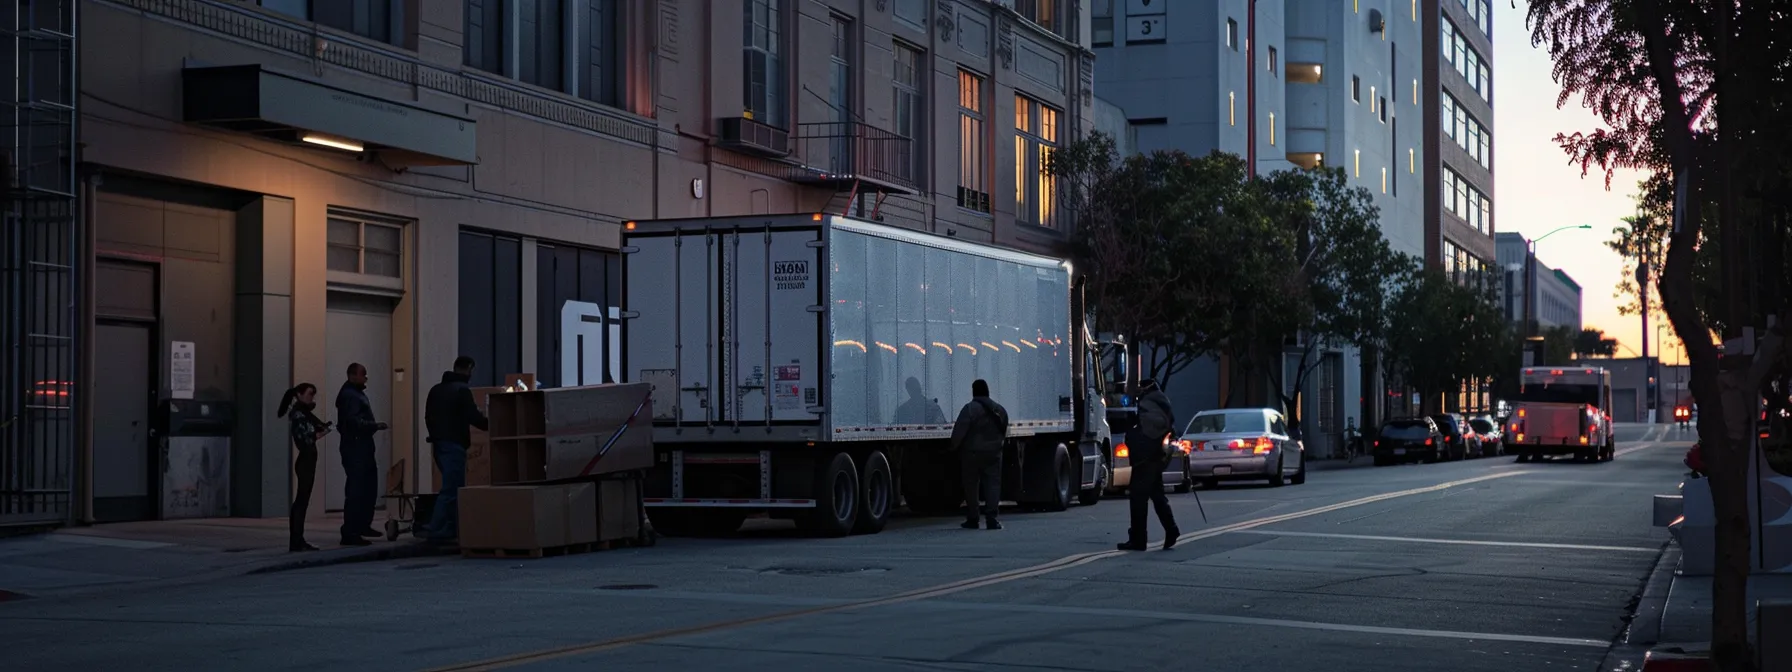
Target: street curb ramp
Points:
(1642, 631)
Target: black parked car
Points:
(1460, 441)
(1407, 440)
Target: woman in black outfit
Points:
(307, 429)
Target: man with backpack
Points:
(977, 437)
(1150, 455)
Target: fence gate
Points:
(39, 249)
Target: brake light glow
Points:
(1121, 451)
(1521, 437)
(1521, 412)
(1257, 446)
(1427, 441)
(1583, 440)
(1186, 445)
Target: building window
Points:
(1232, 108)
(371, 19)
(1466, 61)
(973, 147)
(485, 36)
(491, 298)
(910, 108)
(1415, 92)
(1383, 109)
(763, 63)
(1232, 34)
(1272, 129)
(1384, 179)
(1481, 11)
(1101, 23)
(1274, 62)
(1305, 73)
(840, 94)
(1356, 88)
(1467, 131)
(541, 55)
(364, 247)
(1041, 12)
(601, 68)
(1372, 107)
(1412, 160)
(1357, 164)
(1466, 202)
(1035, 137)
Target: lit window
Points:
(1412, 160)
(1357, 163)
(1232, 107)
(1272, 129)
(1305, 73)
(1384, 180)
(1035, 137)
(973, 187)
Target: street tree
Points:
(1336, 265)
(1659, 74)
(1160, 238)
(1444, 334)
(1590, 342)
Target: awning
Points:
(253, 99)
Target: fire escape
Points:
(39, 249)
(855, 159)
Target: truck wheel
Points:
(1091, 496)
(836, 498)
(1064, 479)
(877, 494)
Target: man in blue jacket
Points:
(447, 413)
(356, 425)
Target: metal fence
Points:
(38, 255)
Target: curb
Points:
(416, 549)
(1642, 632)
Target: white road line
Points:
(1266, 622)
(1459, 542)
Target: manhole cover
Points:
(628, 586)
(823, 571)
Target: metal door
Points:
(357, 328)
(126, 461)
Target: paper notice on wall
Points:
(181, 370)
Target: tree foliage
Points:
(1591, 342)
(1442, 332)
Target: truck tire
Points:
(1064, 480)
(836, 498)
(877, 494)
(1102, 471)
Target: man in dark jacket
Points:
(977, 437)
(356, 424)
(447, 413)
(1149, 458)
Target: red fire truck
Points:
(1563, 411)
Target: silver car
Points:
(1243, 444)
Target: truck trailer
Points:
(1562, 411)
(810, 367)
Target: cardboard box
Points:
(528, 516)
(618, 510)
(629, 449)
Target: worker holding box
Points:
(448, 412)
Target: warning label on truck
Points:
(786, 390)
(790, 274)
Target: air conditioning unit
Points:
(747, 135)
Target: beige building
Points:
(272, 192)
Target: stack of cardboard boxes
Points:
(558, 471)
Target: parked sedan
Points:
(1407, 440)
(1176, 473)
(1460, 442)
(1243, 444)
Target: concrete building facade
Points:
(1284, 83)
(275, 190)
(1555, 296)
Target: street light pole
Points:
(1530, 286)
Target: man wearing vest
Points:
(977, 437)
(1150, 457)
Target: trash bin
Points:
(196, 458)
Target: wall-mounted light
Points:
(333, 143)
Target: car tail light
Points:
(1592, 429)
(1427, 441)
(1121, 451)
(1258, 446)
(1186, 445)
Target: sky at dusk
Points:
(1536, 189)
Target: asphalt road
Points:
(1478, 565)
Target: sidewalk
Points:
(1673, 613)
(77, 560)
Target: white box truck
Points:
(810, 366)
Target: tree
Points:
(1161, 239)
(1333, 268)
(1441, 334)
(1658, 73)
(1593, 343)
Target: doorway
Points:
(357, 328)
(126, 464)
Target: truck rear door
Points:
(729, 318)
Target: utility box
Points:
(196, 457)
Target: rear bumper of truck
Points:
(1551, 445)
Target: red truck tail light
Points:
(1120, 451)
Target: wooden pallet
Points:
(552, 551)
